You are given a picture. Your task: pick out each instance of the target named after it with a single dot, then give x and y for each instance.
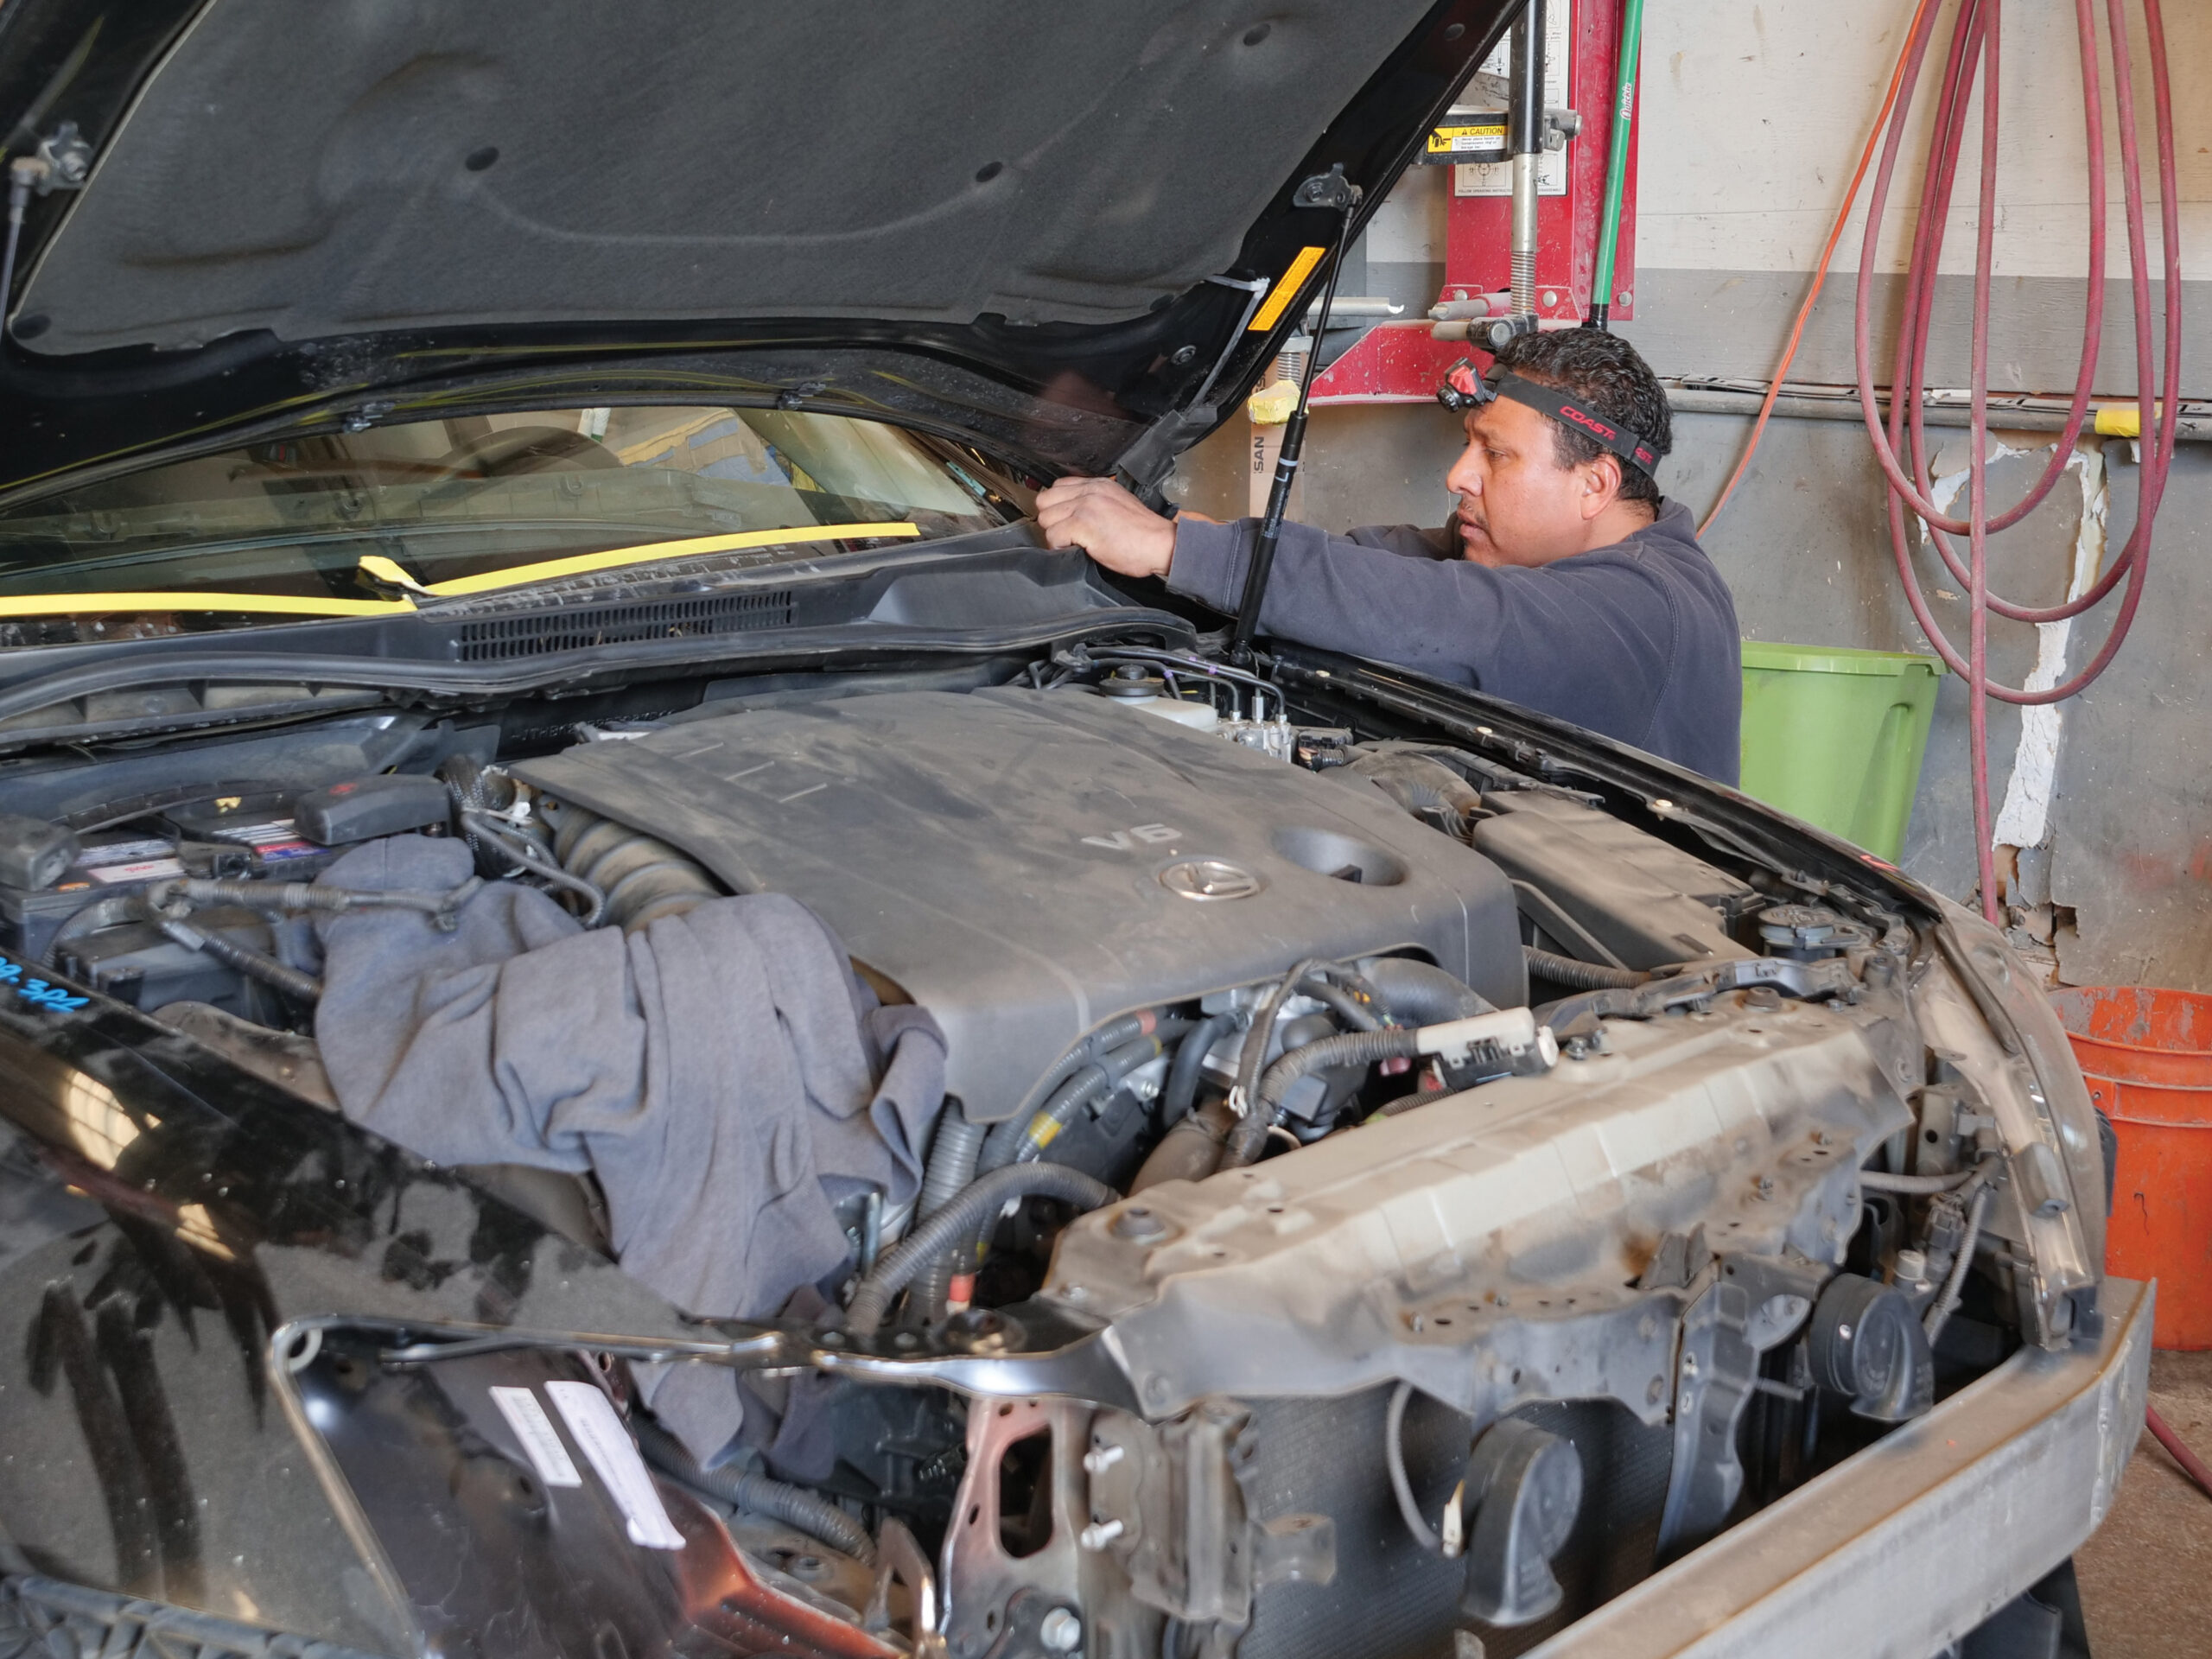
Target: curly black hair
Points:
(1611, 376)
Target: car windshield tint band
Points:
(1631, 446)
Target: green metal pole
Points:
(1609, 224)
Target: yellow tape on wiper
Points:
(385, 571)
(249, 604)
(611, 559)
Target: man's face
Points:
(1517, 505)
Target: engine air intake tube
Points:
(644, 879)
(960, 1221)
(815, 1515)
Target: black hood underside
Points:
(324, 170)
(290, 208)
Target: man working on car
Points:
(1564, 582)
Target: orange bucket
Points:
(2147, 1054)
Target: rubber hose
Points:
(101, 913)
(1394, 1456)
(1005, 1140)
(1976, 36)
(952, 1158)
(1189, 1150)
(468, 790)
(301, 895)
(810, 1513)
(1357, 1005)
(525, 853)
(1421, 786)
(1417, 994)
(1877, 1180)
(982, 1199)
(1093, 1083)
(1088, 1083)
(1351, 1048)
(1182, 1088)
(1609, 215)
(1954, 1282)
(1250, 1133)
(255, 964)
(951, 1167)
(2191, 1464)
(1582, 976)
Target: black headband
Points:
(1631, 446)
(1463, 389)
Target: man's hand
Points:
(1106, 522)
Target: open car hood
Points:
(286, 212)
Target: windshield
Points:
(358, 522)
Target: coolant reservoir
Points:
(1133, 686)
(1199, 716)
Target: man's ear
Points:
(1601, 485)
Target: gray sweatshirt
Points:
(1637, 641)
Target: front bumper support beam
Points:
(1914, 1542)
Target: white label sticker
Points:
(1495, 178)
(535, 1430)
(614, 1459)
(124, 852)
(152, 869)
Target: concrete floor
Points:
(2146, 1577)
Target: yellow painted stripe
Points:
(615, 556)
(1286, 289)
(293, 605)
(255, 604)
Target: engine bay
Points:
(1381, 1188)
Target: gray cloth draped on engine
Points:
(721, 1073)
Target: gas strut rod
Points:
(1330, 189)
(1525, 140)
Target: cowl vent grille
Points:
(543, 634)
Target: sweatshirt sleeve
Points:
(1590, 638)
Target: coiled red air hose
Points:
(1973, 59)
(1975, 55)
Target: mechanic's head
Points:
(1531, 488)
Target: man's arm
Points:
(1366, 602)
(1591, 639)
(1592, 643)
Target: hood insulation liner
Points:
(335, 170)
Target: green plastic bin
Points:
(1836, 736)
